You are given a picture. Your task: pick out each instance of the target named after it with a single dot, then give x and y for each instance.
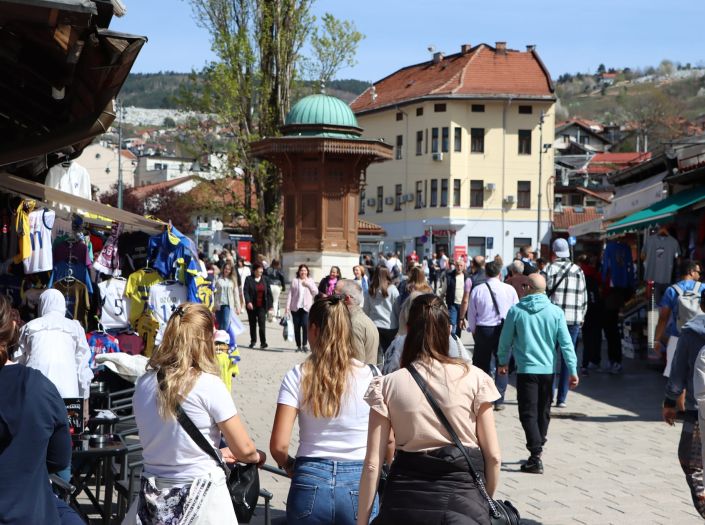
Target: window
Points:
(419, 194)
(434, 140)
(425, 143)
(477, 140)
(576, 199)
(456, 192)
(361, 210)
(523, 110)
(400, 144)
(434, 192)
(419, 112)
(419, 142)
(520, 242)
(400, 115)
(566, 138)
(397, 197)
(478, 108)
(444, 193)
(476, 246)
(477, 193)
(524, 194)
(524, 142)
(444, 140)
(439, 108)
(457, 138)
(380, 198)
(584, 139)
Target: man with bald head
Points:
(533, 329)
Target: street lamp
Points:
(543, 148)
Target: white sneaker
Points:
(562, 405)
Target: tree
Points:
(334, 45)
(169, 122)
(248, 88)
(601, 69)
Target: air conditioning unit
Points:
(389, 200)
(371, 202)
(509, 199)
(409, 197)
(437, 156)
(490, 186)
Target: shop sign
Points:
(460, 252)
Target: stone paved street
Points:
(609, 458)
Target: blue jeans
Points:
(324, 491)
(562, 379)
(222, 316)
(454, 312)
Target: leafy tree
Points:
(169, 122)
(334, 45)
(601, 69)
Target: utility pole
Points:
(118, 108)
(538, 217)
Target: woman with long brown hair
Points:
(381, 306)
(227, 296)
(429, 481)
(183, 375)
(325, 393)
(415, 282)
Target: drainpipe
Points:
(504, 171)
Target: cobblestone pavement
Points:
(609, 457)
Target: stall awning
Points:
(34, 190)
(658, 211)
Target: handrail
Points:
(274, 470)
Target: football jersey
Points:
(131, 343)
(137, 290)
(77, 300)
(115, 308)
(204, 292)
(41, 258)
(163, 300)
(147, 326)
(101, 343)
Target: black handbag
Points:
(501, 512)
(242, 480)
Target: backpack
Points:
(688, 304)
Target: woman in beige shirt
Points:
(429, 480)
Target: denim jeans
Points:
(324, 491)
(562, 379)
(222, 316)
(454, 313)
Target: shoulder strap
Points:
(374, 370)
(678, 289)
(456, 440)
(198, 438)
(563, 276)
(494, 299)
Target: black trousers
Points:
(613, 303)
(486, 345)
(534, 394)
(257, 316)
(300, 320)
(592, 336)
(386, 336)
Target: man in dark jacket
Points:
(690, 342)
(258, 300)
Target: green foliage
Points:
(334, 45)
(151, 90)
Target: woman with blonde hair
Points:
(429, 481)
(360, 278)
(415, 282)
(326, 393)
(179, 478)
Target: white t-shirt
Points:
(443, 262)
(40, 225)
(343, 438)
(115, 308)
(169, 451)
(163, 300)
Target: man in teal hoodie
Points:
(532, 330)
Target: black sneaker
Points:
(534, 465)
(252, 345)
(263, 346)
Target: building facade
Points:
(470, 132)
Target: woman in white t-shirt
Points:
(179, 478)
(326, 393)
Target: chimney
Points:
(501, 48)
(465, 49)
(531, 47)
(437, 57)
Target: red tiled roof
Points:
(569, 217)
(142, 191)
(583, 122)
(483, 71)
(128, 154)
(605, 196)
(369, 228)
(603, 163)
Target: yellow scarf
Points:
(22, 227)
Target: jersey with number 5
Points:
(115, 312)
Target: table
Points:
(89, 459)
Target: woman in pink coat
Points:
(301, 293)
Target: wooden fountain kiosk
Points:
(323, 159)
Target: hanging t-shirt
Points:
(137, 290)
(131, 343)
(147, 326)
(40, 259)
(108, 261)
(661, 252)
(77, 300)
(72, 251)
(115, 311)
(77, 270)
(163, 300)
(101, 343)
(617, 264)
(73, 179)
(203, 293)
(132, 250)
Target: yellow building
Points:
(468, 131)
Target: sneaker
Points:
(263, 346)
(584, 371)
(304, 348)
(499, 407)
(252, 345)
(593, 366)
(534, 465)
(562, 405)
(298, 349)
(616, 369)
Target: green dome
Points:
(321, 110)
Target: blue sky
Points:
(570, 36)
